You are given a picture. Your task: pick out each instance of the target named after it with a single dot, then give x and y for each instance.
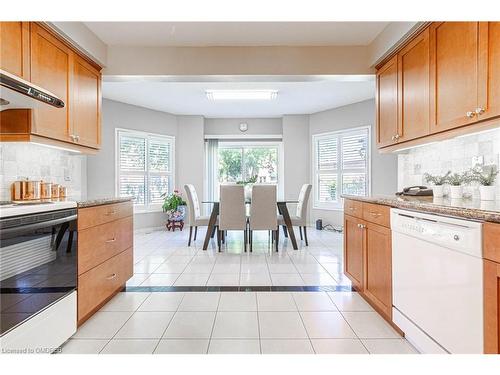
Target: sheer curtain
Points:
(211, 168)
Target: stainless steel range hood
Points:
(18, 93)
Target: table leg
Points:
(211, 224)
(286, 217)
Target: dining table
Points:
(282, 209)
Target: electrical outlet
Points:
(477, 160)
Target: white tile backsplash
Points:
(454, 154)
(21, 160)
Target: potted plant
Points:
(438, 182)
(456, 180)
(174, 205)
(485, 176)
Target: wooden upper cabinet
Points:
(454, 74)
(387, 103)
(413, 88)
(378, 267)
(50, 69)
(15, 48)
(353, 250)
(86, 103)
(488, 104)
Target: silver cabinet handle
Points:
(361, 226)
(111, 277)
(352, 208)
(112, 212)
(480, 111)
(471, 114)
(111, 240)
(393, 138)
(396, 137)
(376, 214)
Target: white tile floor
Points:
(237, 322)
(164, 259)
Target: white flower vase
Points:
(456, 192)
(438, 191)
(487, 193)
(248, 192)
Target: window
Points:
(144, 167)
(248, 162)
(341, 166)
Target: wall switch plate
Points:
(477, 160)
(67, 176)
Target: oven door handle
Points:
(35, 226)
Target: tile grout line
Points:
(213, 324)
(170, 322)
(352, 329)
(123, 325)
(302, 320)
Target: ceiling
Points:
(294, 97)
(163, 34)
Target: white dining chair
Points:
(263, 212)
(300, 217)
(195, 218)
(232, 212)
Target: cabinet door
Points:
(14, 48)
(454, 74)
(413, 91)
(491, 279)
(86, 103)
(353, 250)
(378, 267)
(387, 103)
(488, 104)
(50, 69)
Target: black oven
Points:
(38, 263)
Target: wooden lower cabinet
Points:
(100, 283)
(105, 254)
(491, 282)
(378, 267)
(354, 243)
(491, 307)
(368, 254)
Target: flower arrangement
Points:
(437, 179)
(172, 203)
(484, 175)
(456, 179)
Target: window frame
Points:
(147, 206)
(261, 144)
(339, 172)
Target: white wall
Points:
(190, 153)
(101, 175)
(259, 60)
(296, 155)
(230, 126)
(383, 166)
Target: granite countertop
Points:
(102, 201)
(472, 209)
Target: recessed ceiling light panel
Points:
(241, 94)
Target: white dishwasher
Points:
(437, 275)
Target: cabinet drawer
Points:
(491, 235)
(96, 285)
(92, 216)
(98, 244)
(353, 208)
(377, 214)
